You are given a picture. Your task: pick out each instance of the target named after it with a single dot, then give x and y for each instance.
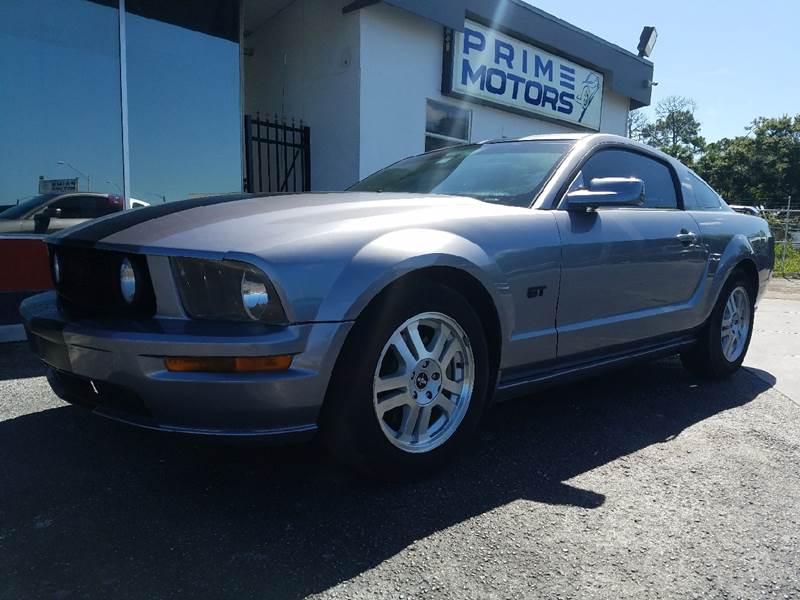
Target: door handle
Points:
(686, 237)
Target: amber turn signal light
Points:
(227, 364)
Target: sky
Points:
(736, 59)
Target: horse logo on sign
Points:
(591, 85)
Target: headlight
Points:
(127, 281)
(224, 290)
(255, 296)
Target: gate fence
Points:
(277, 155)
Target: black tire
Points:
(706, 358)
(349, 423)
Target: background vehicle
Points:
(136, 203)
(746, 210)
(57, 211)
(389, 316)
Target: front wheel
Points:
(410, 386)
(725, 338)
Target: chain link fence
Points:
(784, 220)
(783, 216)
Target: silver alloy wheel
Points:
(423, 382)
(735, 324)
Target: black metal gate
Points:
(277, 155)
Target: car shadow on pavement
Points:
(91, 508)
(17, 362)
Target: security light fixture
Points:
(647, 41)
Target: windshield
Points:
(24, 207)
(510, 173)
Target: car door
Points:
(629, 274)
(78, 208)
(12, 226)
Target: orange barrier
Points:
(24, 271)
(24, 265)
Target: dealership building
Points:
(163, 100)
(170, 99)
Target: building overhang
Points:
(626, 73)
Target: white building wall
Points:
(401, 67)
(401, 57)
(361, 82)
(614, 118)
(305, 66)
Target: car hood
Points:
(248, 224)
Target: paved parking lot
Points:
(647, 483)
(775, 347)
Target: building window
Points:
(183, 99)
(62, 82)
(446, 125)
(59, 104)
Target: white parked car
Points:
(746, 210)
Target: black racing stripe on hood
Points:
(95, 231)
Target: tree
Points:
(727, 166)
(776, 157)
(637, 121)
(761, 167)
(676, 131)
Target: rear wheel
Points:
(410, 385)
(725, 338)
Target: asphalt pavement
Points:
(647, 483)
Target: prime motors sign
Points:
(490, 66)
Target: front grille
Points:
(90, 282)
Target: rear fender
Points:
(721, 266)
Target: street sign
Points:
(58, 186)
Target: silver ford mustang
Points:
(389, 316)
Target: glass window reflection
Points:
(59, 107)
(183, 99)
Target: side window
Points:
(659, 186)
(71, 207)
(704, 196)
(106, 205)
(86, 207)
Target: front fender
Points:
(393, 255)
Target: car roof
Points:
(538, 137)
(595, 139)
(555, 136)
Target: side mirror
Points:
(607, 191)
(41, 221)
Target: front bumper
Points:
(116, 366)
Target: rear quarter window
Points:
(705, 198)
